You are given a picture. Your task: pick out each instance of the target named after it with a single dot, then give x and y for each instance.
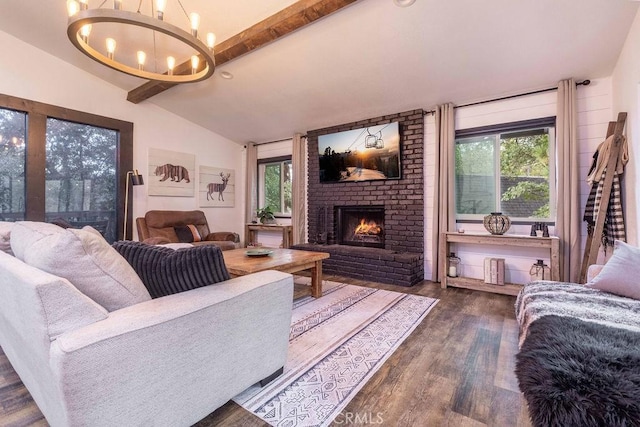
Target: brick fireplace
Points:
(360, 226)
(395, 254)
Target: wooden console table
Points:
(510, 240)
(287, 232)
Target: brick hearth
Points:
(378, 265)
(401, 261)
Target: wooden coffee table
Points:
(285, 260)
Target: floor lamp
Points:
(133, 178)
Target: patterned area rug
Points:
(336, 344)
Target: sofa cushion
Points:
(187, 233)
(5, 236)
(86, 259)
(620, 274)
(66, 308)
(167, 271)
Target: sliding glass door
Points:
(57, 163)
(13, 135)
(80, 173)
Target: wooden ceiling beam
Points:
(288, 20)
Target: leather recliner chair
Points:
(158, 227)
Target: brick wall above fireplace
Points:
(402, 200)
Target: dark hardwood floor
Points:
(455, 369)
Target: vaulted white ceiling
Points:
(369, 59)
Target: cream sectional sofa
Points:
(168, 361)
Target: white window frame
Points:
(505, 129)
(262, 163)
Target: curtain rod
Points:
(584, 83)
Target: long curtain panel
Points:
(251, 182)
(444, 218)
(568, 222)
(298, 193)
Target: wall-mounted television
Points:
(366, 154)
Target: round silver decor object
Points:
(496, 223)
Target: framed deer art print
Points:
(217, 187)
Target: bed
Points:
(579, 358)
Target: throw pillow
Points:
(165, 271)
(620, 274)
(26, 233)
(187, 233)
(87, 260)
(5, 236)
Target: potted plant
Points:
(266, 215)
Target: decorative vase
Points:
(496, 223)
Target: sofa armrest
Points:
(201, 346)
(223, 236)
(143, 230)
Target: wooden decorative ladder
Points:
(594, 237)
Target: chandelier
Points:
(141, 33)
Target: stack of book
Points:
(494, 271)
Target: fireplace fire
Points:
(360, 226)
(367, 228)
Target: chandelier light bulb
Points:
(72, 7)
(84, 4)
(117, 4)
(111, 47)
(211, 40)
(84, 32)
(160, 6)
(194, 64)
(141, 58)
(195, 23)
(171, 62)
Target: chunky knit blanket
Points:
(540, 299)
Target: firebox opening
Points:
(360, 226)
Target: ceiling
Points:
(368, 59)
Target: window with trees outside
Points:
(274, 178)
(507, 168)
(58, 163)
(81, 181)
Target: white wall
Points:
(626, 97)
(34, 74)
(594, 112)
